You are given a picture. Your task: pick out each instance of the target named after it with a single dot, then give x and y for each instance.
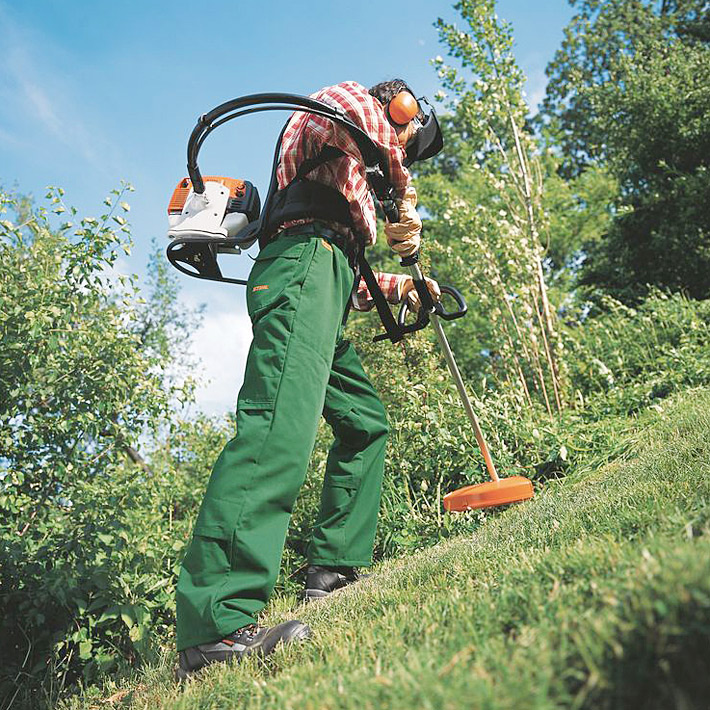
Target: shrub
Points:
(87, 542)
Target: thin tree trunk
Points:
(541, 377)
(540, 372)
(135, 457)
(535, 239)
(550, 361)
(521, 375)
(521, 339)
(532, 227)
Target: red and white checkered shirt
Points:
(307, 134)
(390, 285)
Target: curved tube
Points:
(255, 103)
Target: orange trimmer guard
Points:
(490, 494)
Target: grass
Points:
(595, 594)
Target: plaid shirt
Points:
(390, 284)
(307, 134)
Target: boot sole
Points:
(181, 675)
(310, 595)
(299, 632)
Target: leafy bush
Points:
(624, 359)
(87, 539)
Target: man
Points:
(299, 367)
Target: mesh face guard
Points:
(427, 141)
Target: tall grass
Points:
(596, 594)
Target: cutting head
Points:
(490, 494)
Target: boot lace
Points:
(250, 631)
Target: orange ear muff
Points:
(403, 108)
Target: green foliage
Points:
(485, 49)
(87, 554)
(164, 324)
(596, 41)
(656, 123)
(629, 90)
(75, 378)
(626, 359)
(579, 213)
(489, 217)
(93, 592)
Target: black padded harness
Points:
(303, 198)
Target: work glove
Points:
(411, 294)
(404, 236)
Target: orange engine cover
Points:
(177, 201)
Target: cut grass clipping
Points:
(596, 594)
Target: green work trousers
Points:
(298, 368)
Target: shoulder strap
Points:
(383, 191)
(329, 152)
(394, 332)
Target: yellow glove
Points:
(404, 236)
(412, 295)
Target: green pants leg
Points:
(345, 531)
(296, 296)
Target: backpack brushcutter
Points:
(209, 216)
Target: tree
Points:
(492, 208)
(78, 381)
(599, 36)
(660, 151)
(629, 91)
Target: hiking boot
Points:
(322, 581)
(249, 639)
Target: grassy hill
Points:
(595, 594)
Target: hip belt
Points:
(318, 230)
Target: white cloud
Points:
(536, 94)
(8, 139)
(42, 105)
(33, 91)
(221, 346)
(536, 83)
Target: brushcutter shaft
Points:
(453, 368)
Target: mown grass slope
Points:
(596, 594)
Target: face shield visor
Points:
(427, 141)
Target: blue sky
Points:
(93, 92)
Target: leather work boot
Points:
(249, 639)
(322, 581)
